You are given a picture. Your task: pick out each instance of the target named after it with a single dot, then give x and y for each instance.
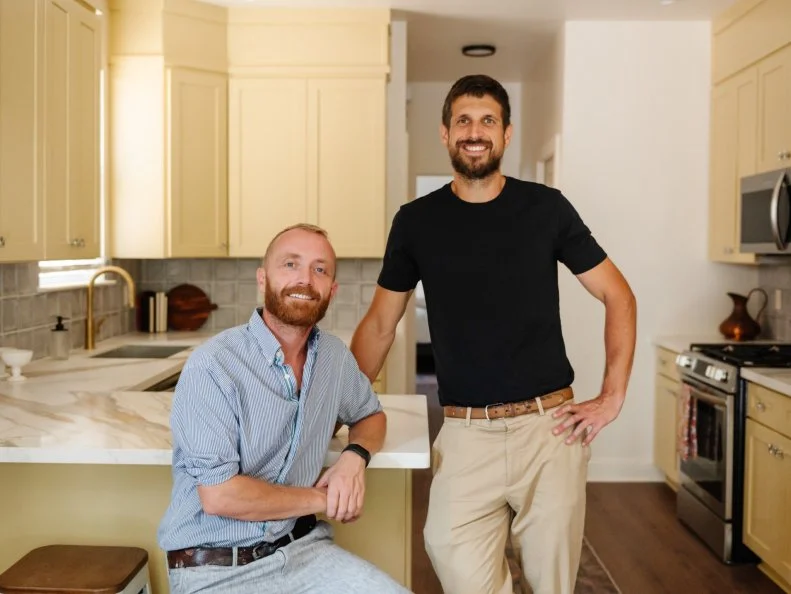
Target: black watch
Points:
(360, 451)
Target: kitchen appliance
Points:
(765, 213)
(710, 496)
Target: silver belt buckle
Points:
(486, 409)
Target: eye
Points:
(462, 121)
(290, 264)
(321, 270)
(489, 120)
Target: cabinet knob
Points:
(760, 406)
(224, 245)
(783, 155)
(728, 250)
(2, 241)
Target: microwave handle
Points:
(774, 208)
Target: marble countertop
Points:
(777, 379)
(681, 342)
(87, 410)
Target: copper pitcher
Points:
(739, 325)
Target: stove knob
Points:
(721, 375)
(683, 361)
(710, 371)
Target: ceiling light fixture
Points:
(478, 50)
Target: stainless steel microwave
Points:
(765, 215)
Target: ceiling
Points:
(521, 29)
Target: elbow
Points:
(212, 500)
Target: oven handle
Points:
(705, 396)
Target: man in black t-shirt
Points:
(486, 248)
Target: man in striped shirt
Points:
(253, 414)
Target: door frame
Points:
(551, 150)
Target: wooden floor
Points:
(631, 526)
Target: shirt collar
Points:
(267, 341)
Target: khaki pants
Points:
(500, 475)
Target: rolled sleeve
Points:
(205, 427)
(358, 399)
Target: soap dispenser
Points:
(61, 342)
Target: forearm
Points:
(370, 345)
(247, 498)
(369, 432)
(619, 342)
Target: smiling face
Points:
(298, 277)
(476, 136)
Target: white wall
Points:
(542, 105)
(427, 154)
(635, 164)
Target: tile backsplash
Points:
(231, 284)
(27, 315)
(775, 322)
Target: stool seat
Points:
(74, 569)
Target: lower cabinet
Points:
(767, 484)
(667, 385)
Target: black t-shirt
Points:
(490, 278)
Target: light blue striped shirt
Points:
(236, 411)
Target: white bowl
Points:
(16, 359)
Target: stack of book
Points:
(153, 312)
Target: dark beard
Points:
(474, 171)
(292, 312)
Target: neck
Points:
(291, 338)
(478, 190)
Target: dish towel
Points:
(687, 436)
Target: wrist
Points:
(359, 451)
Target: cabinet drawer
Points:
(769, 408)
(666, 364)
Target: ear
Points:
(260, 277)
(333, 290)
(444, 134)
(508, 131)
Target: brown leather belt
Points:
(198, 556)
(512, 409)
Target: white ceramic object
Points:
(16, 359)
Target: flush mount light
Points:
(478, 50)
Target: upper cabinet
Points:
(72, 58)
(50, 65)
(750, 120)
(21, 138)
(307, 114)
(168, 123)
(774, 115)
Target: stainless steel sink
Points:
(141, 351)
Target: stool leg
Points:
(140, 584)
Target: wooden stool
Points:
(84, 569)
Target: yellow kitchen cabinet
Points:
(307, 149)
(774, 115)
(21, 136)
(734, 121)
(667, 385)
(168, 164)
(72, 66)
(168, 130)
(767, 492)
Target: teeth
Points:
(475, 147)
(300, 296)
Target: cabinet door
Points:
(21, 146)
(349, 116)
(733, 155)
(665, 422)
(767, 491)
(72, 41)
(268, 161)
(774, 98)
(197, 139)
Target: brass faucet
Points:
(130, 284)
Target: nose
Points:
(476, 130)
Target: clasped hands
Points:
(344, 487)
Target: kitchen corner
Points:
(85, 455)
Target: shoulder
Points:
(533, 190)
(417, 208)
(228, 344)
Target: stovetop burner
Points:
(748, 355)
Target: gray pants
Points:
(311, 564)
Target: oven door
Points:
(707, 471)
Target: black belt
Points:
(197, 556)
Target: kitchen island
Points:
(85, 459)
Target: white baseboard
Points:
(623, 470)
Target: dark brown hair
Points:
(477, 85)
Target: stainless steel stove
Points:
(710, 497)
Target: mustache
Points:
(302, 289)
(465, 141)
